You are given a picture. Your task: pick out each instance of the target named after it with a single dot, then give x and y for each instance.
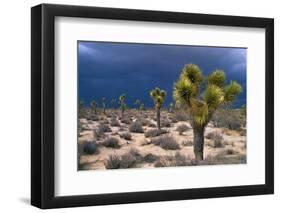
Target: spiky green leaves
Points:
(184, 89)
(186, 93)
(231, 91)
(122, 97)
(193, 73)
(158, 96)
(217, 78)
(213, 96)
(94, 104)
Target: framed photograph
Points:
(139, 106)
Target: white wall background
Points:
(15, 105)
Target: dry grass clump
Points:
(174, 160)
(114, 122)
(166, 142)
(94, 118)
(217, 138)
(152, 125)
(150, 158)
(179, 116)
(88, 148)
(111, 142)
(143, 121)
(102, 128)
(222, 158)
(187, 143)
(166, 123)
(154, 133)
(230, 119)
(136, 127)
(182, 128)
(126, 135)
(129, 159)
(126, 120)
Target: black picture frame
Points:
(43, 102)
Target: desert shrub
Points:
(154, 132)
(104, 121)
(126, 120)
(217, 138)
(136, 127)
(152, 125)
(128, 160)
(220, 158)
(113, 162)
(182, 128)
(179, 116)
(227, 118)
(143, 121)
(90, 148)
(126, 136)
(166, 142)
(187, 143)
(102, 128)
(114, 122)
(173, 160)
(166, 123)
(111, 142)
(94, 118)
(230, 152)
(150, 158)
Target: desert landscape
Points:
(109, 141)
(155, 105)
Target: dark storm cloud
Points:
(109, 69)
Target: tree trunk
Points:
(158, 118)
(122, 113)
(198, 142)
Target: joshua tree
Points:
(137, 103)
(158, 97)
(171, 107)
(113, 101)
(103, 100)
(94, 105)
(202, 106)
(122, 104)
(82, 111)
(142, 108)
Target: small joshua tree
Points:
(113, 101)
(94, 105)
(158, 97)
(137, 103)
(103, 100)
(82, 111)
(122, 104)
(202, 106)
(142, 108)
(171, 107)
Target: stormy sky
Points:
(107, 69)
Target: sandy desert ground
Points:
(110, 141)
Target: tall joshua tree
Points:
(201, 106)
(103, 100)
(122, 104)
(94, 105)
(158, 97)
